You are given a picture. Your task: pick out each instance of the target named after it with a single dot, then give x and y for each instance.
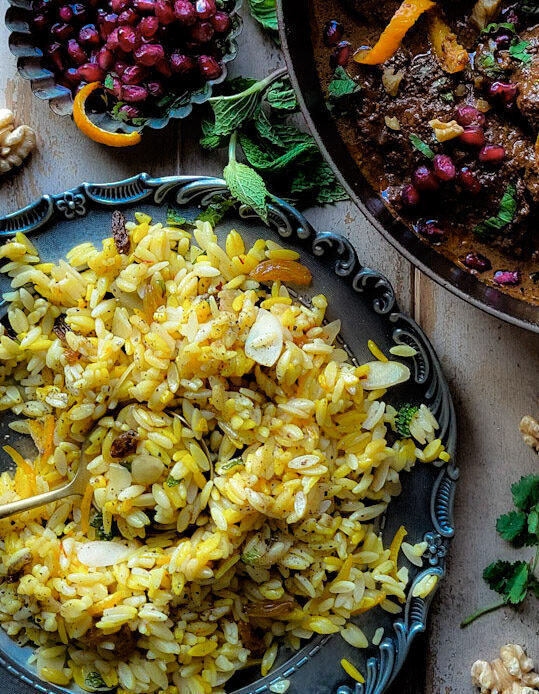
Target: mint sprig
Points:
(245, 183)
(506, 212)
(514, 581)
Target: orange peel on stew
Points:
(281, 270)
(85, 125)
(390, 40)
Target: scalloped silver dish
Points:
(29, 64)
(58, 222)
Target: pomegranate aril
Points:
(469, 181)
(209, 67)
(105, 58)
(144, 6)
(134, 74)
(182, 64)
(62, 31)
(149, 54)
(444, 168)
(40, 23)
(492, 154)
(469, 115)
(185, 12)
(130, 111)
(341, 55)
(503, 92)
(72, 77)
(507, 277)
(163, 67)
(164, 12)
(477, 261)
(202, 32)
(133, 93)
(88, 35)
(79, 12)
(76, 53)
(502, 41)
(54, 52)
(221, 22)
(127, 39)
(425, 180)
(65, 13)
(333, 32)
(120, 66)
(205, 8)
(148, 27)
(473, 136)
(129, 17)
(430, 230)
(107, 24)
(410, 195)
(155, 89)
(119, 5)
(112, 40)
(91, 72)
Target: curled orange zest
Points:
(369, 604)
(451, 55)
(85, 125)
(390, 40)
(282, 270)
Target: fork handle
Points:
(35, 501)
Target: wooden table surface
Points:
(492, 367)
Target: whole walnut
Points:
(529, 428)
(15, 143)
(511, 673)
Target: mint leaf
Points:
(232, 463)
(526, 492)
(232, 111)
(518, 51)
(281, 96)
(210, 140)
(94, 680)
(175, 219)
(245, 183)
(421, 146)
(342, 85)
(511, 526)
(517, 584)
(216, 210)
(109, 81)
(260, 159)
(331, 193)
(508, 207)
(265, 12)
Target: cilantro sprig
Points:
(514, 581)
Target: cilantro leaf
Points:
(265, 12)
(526, 492)
(417, 143)
(518, 51)
(508, 207)
(496, 575)
(533, 522)
(342, 85)
(517, 583)
(511, 526)
(109, 80)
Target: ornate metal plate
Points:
(365, 302)
(29, 64)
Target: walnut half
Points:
(529, 428)
(511, 673)
(15, 143)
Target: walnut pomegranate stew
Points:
(439, 102)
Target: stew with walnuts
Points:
(443, 100)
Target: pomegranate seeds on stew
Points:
(142, 50)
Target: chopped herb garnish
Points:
(421, 146)
(250, 557)
(518, 51)
(448, 97)
(514, 581)
(175, 219)
(404, 417)
(233, 462)
(494, 26)
(341, 85)
(488, 63)
(97, 523)
(508, 207)
(172, 481)
(109, 81)
(216, 210)
(94, 680)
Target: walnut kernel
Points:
(15, 143)
(529, 427)
(511, 673)
(445, 131)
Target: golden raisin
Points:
(281, 270)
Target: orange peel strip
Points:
(85, 125)
(450, 54)
(390, 40)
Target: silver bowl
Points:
(44, 86)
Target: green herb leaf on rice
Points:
(94, 680)
(97, 523)
(404, 417)
(175, 219)
(417, 143)
(172, 481)
(250, 557)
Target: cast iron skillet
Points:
(301, 61)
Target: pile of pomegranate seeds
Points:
(142, 50)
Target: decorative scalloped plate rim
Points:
(369, 286)
(60, 100)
